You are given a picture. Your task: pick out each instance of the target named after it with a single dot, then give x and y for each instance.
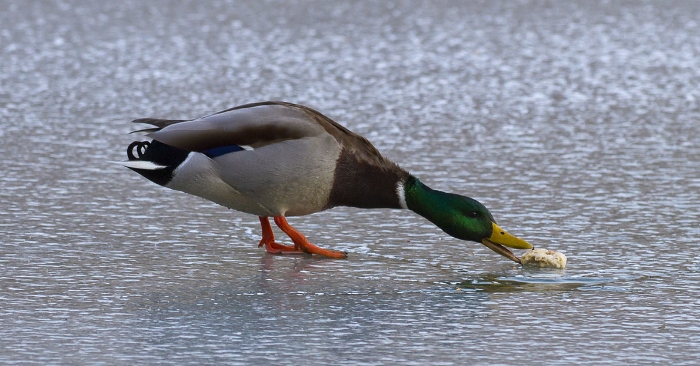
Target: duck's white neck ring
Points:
(401, 194)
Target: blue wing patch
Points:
(223, 150)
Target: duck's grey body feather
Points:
(270, 180)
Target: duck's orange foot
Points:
(268, 241)
(276, 248)
(302, 243)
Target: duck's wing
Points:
(253, 125)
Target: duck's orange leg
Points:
(302, 243)
(268, 240)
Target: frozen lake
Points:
(577, 124)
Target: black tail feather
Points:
(168, 157)
(139, 147)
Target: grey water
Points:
(577, 123)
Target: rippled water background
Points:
(577, 123)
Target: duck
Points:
(277, 160)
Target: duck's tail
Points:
(138, 159)
(154, 160)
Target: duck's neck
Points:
(432, 204)
(366, 182)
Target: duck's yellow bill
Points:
(500, 236)
(500, 239)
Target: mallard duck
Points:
(277, 159)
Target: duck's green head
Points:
(462, 217)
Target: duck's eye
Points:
(472, 214)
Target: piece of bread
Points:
(544, 258)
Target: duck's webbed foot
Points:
(302, 243)
(268, 240)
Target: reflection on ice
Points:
(555, 280)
